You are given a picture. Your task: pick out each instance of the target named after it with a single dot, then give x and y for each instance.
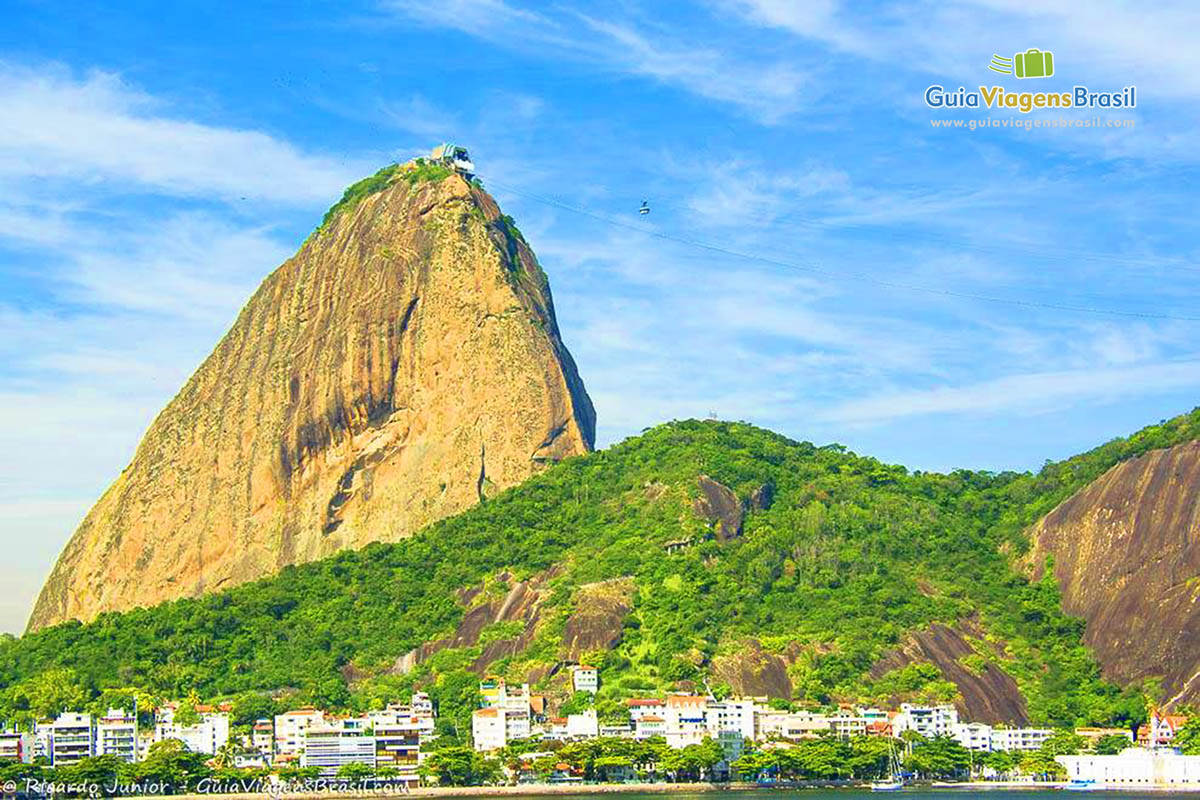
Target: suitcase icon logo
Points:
(1033, 63)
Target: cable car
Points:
(645, 209)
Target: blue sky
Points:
(157, 161)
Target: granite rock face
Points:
(1126, 554)
(404, 365)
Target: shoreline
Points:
(569, 789)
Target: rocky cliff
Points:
(402, 366)
(1126, 553)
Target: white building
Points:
(1135, 768)
(72, 737)
(512, 707)
(585, 678)
(206, 736)
(645, 706)
(332, 746)
(16, 746)
(686, 717)
(290, 728)
(400, 732)
(974, 736)
(117, 735)
(847, 724)
(488, 729)
(262, 737)
(730, 716)
(583, 725)
(648, 726)
(1019, 738)
(791, 725)
(43, 737)
(929, 721)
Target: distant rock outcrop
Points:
(1126, 551)
(987, 694)
(402, 366)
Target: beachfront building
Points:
(333, 745)
(974, 736)
(207, 735)
(401, 731)
(847, 723)
(512, 706)
(1160, 729)
(488, 729)
(686, 719)
(1019, 738)
(648, 726)
(929, 721)
(791, 725)
(72, 738)
(290, 728)
(262, 737)
(725, 716)
(645, 706)
(16, 747)
(1135, 768)
(117, 735)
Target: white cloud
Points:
(1030, 393)
(767, 90)
(98, 128)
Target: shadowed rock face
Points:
(597, 621)
(520, 604)
(753, 672)
(402, 365)
(1126, 554)
(991, 696)
(720, 507)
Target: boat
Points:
(1083, 786)
(893, 782)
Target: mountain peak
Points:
(402, 366)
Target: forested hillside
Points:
(698, 551)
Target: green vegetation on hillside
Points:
(850, 557)
(412, 173)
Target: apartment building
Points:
(72, 737)
(687, 719)
(929, 721)
(208, 735)
(291, 726)
(1019, 738)
(117, 735)
(16, 746)
(331, 746)
(974, 736)
(585, 678)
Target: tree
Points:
(1187, 738)
(1063, 743)
(1112, 744)
(1003, 762)
(249, 707)
(355, 771)
(171, 763)
(1041, 765)
(939, 757)
(459, 766)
